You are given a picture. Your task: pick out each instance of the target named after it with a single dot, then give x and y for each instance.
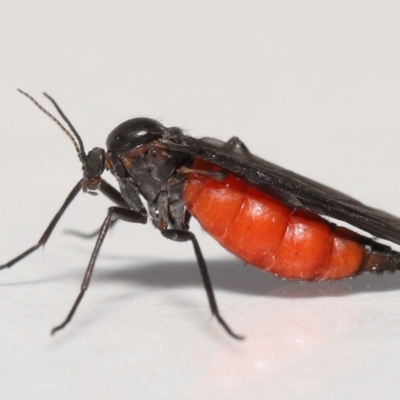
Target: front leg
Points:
(43, 240)
(115, 196)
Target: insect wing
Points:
(291, 188)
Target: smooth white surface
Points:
(312, 86)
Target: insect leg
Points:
(235, 142)
(217, 175)
(115, 196)
(183, 236)
(42, 241)
(113, 212)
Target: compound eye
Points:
(94, 164)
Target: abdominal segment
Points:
(270, 235)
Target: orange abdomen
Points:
(268, 234)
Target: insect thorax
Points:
(150, 170)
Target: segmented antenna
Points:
(74, 136)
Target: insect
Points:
(267, 216)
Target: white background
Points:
(312, 86)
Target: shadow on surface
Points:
(232, 276)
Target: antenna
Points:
(74, 136)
